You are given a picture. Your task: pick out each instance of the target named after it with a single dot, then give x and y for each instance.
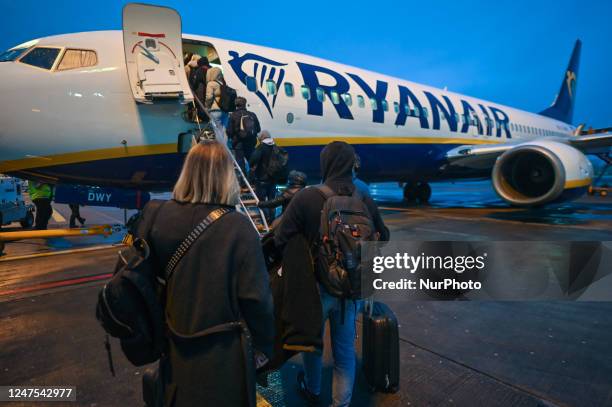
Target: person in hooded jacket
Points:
(302, 216)
(191, 62)
(214, 80)
(265, 186)
(222, 278)
(199, 67)
(296, 181)
(243, 139)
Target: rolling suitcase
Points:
(380, 348)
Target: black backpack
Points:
(131, 305)
(346, 223)
(278, 169)
(227, 100)
(248, 126)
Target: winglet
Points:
(563, 106)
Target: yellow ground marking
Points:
(58, 217)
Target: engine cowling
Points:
(541, 172)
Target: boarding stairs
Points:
(248, 203)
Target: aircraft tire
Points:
(410, 196)
(423, 192)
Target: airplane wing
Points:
(484, 156)
(477, 156)
(593, 143)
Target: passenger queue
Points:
(223, 303)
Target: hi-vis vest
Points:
(39, 190)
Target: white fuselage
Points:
(83, 125)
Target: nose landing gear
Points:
(417, 192)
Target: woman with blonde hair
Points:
(220, 281)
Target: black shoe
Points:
(82, 221)
(311, 398)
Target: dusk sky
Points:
(510, 52)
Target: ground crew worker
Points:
(75, 213)
(42, 195)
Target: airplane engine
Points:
(541, 172)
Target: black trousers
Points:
(43, 212)
(243, 151)
(266, 191)
(75, 214)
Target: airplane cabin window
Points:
(416, 112)
(77, 58)
(425, 112)
(251, 83)
(360, 101)
(41, 57)
(335, 97)
(320, 94)
(407, 109)
(348, 99)
(305, 92)
(373, 103)
(271, 87)
(396, 107)
(289, 89)
(385, 105)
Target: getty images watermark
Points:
(515, 271)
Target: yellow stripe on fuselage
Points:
(578, 183)
(321, 141)
(155, 149)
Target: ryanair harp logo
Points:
(571, 82)
(262, 70)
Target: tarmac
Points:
(459, 353)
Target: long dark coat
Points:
(223, 278)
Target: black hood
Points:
(240, 103)
(337, 161)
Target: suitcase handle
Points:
(368, 305)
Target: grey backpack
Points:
(346, 223)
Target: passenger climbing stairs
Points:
(249, 202)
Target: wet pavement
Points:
(452, 353)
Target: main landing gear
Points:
(417, 192)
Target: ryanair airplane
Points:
(106, 108)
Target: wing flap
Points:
(599, 143)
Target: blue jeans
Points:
(220, 117)
(343, 350)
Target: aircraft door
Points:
(154, 54)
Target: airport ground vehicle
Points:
(13, 208)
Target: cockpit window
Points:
(41, 57)
(17, 51)
(12, 54)
(77, 58)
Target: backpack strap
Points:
(190, 240)
(325, 191)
